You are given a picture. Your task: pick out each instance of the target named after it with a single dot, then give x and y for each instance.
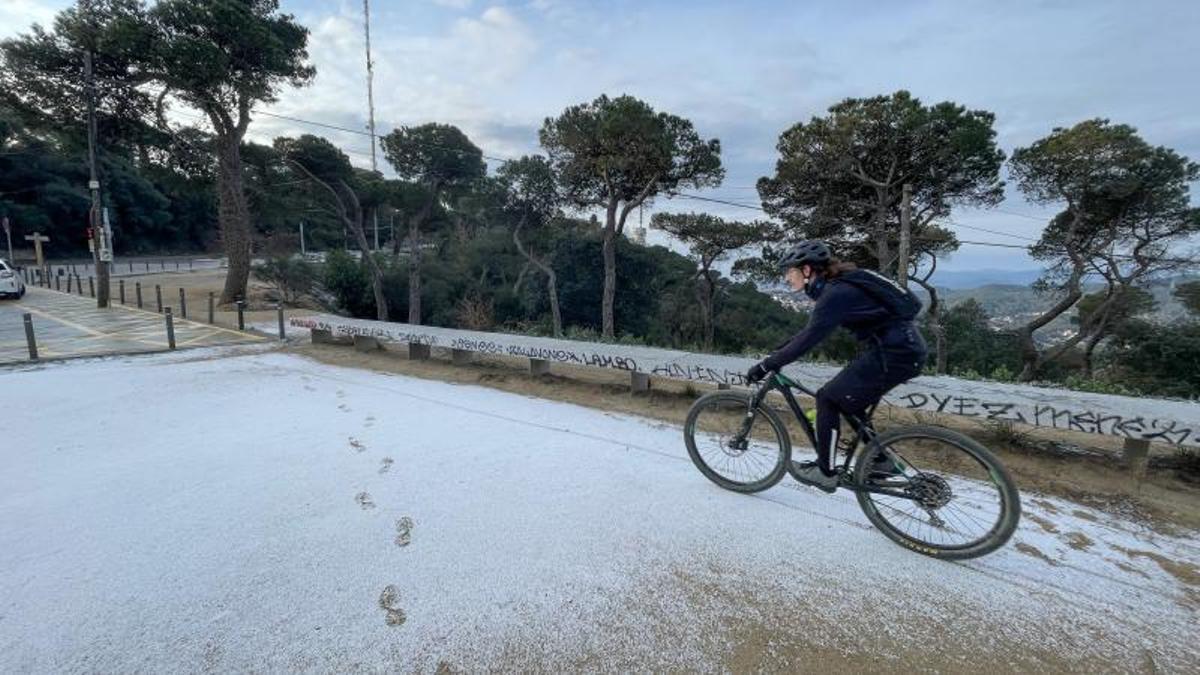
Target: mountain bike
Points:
(929, 489)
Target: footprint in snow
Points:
(357, 444)
(388, 600)
(404, 531)
(343, 407)
(364, 500)
(386, 465)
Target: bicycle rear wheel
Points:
(711, 432)
(958, 501)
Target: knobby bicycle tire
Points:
(1010, 499)
(733, 399)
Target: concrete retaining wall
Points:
(1176, 422)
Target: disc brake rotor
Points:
(931, 491)
(734, 446)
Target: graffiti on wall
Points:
(680, 371)
(1044, 413)
(1054, 416)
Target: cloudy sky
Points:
(743, 72)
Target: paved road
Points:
(69, 325)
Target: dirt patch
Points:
(1045, 506)
(1086, 515)
(747, 628)
(1185, 572)
(1042, 523)
(1035, 552)
(1126, 567)
(1162, 502)
(1078, 541)
(197, 286)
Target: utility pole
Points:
(371, 107)
(101, 246)
(905, 233)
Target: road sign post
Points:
(38, 238)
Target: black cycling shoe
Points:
(810, 473)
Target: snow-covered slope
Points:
(262, 511)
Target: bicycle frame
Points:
(864, 433)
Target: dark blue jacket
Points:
(843, 304)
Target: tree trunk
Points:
(934, 318)
(708, 292)
(1089, 353)
(414, 256)
(551, 277)
(233, 216)
(1032, 359)
(356, 226)
(882, 249)
(555, 311)
(414, 272)
(610, 272)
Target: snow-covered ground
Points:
(225, 510)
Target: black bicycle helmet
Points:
(811, 252)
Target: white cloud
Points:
(451, 77)
(17, 16)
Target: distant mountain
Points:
(976, 278)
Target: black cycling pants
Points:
(859, 386)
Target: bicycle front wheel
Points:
(750, 464)
(939, 493)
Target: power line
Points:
(714, 200)
(1020, 215)
(997, 232)
(725, 202)
(967, 242)
(932, 239)
(361, 153)
(361, 132)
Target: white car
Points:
(11, 285)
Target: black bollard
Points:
(29, 339)
(170, 330)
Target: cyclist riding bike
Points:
(879, 312)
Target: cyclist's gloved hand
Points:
(756, 373)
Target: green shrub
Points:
(347, 281)
(291, 277)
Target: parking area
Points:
(68, 325)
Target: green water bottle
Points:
(811, 414)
